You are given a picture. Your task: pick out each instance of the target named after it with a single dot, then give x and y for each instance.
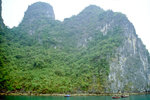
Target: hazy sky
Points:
(137, 11)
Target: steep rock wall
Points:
(1, 20)
(129, 69)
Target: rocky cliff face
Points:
(101, 47)
(1, 20)
(38, 11)
(129, 69)
(37, 15)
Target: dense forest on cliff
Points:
(44, 55)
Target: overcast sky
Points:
(137, 11)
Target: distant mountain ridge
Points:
(95, 51)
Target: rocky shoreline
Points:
(79, 94)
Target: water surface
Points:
(135, 97)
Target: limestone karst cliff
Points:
(37, 15)
(1, 20)
(95, 51)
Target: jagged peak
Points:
(40, 4)
(38, 11)
(93, 9)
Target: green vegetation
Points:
(61, 57)
(30, 66)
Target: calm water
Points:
(137, 97)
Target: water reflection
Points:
(68, 98)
